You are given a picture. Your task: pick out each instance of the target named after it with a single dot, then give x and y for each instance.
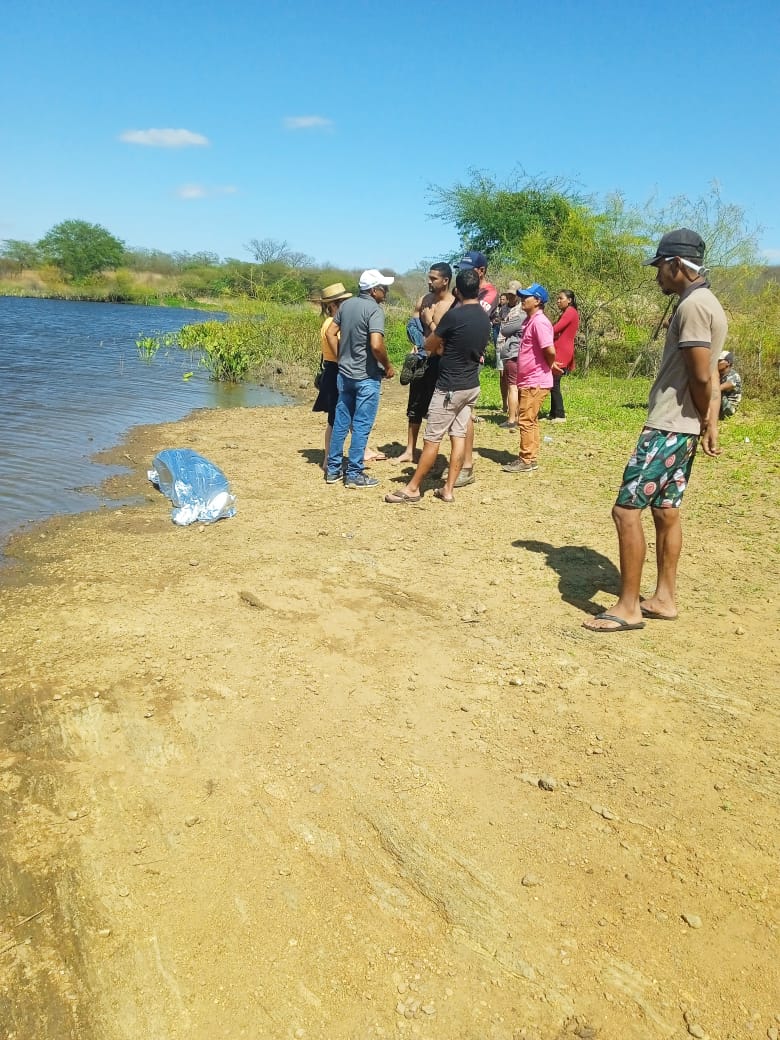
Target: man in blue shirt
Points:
(357, 336)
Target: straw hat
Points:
(334, 292)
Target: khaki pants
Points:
(528, 420)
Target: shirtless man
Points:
(430, 309)
(460, 338)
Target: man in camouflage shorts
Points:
(683, 412)
(658, 471)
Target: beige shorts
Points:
(449, 412)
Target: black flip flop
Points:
(622, 624)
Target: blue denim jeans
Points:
(357, 407)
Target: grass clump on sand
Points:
(260, 342)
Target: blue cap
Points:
(471, 260)
(534, 289)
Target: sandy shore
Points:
(279, 777)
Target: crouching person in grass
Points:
(461, 337)
(730, 385)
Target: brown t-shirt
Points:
(699, 321)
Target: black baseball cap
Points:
(683, 242)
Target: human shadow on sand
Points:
(499, 455)
(316, 456)
(582, 572)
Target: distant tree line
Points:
(81, 254)
(532, 229)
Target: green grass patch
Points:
(259, 335)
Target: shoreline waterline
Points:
(118, 488)
(112, 491)
(75, 382)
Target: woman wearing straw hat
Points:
(330, 301)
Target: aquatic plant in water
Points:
(148, 347)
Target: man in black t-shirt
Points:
(460, 338)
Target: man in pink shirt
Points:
(534, 375)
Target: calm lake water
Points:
(73, 384)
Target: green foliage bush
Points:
(264, 334)
(396, 340)
(227, 348)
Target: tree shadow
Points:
(582, 572)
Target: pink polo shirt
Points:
(532, 367)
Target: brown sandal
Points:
(402, 498)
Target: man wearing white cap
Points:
(357, 335)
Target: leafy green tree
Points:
(731, 241)
(24, 254)
(547, 232)
(599, 256)
(494, 218)
(80, 249)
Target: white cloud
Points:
(191, 191)
(772, 256)
(307, 122)
(164, 138)
(201, 191)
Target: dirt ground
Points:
(279, 777)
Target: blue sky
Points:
(329, 132)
